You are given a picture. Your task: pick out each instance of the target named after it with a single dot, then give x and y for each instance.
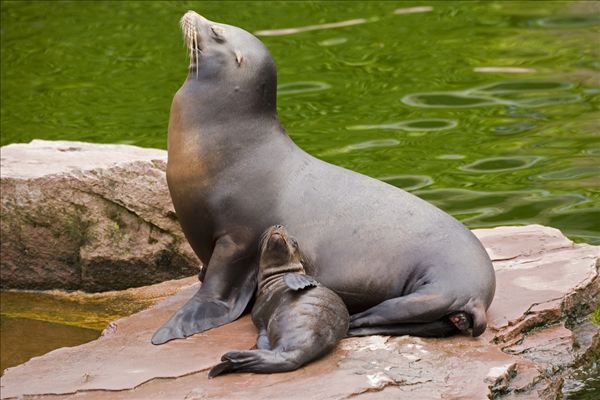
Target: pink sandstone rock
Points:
(546, 285)
(88, 216)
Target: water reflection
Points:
(450, 157)
(513, 128)
(25, 338)
(419, 125)
(525, 93)
(301, 87)
(583, 171)
(32, 323)
(501, 164)
(570, 21)
(521, 86)
(341, 69)
(448, 100)
(308, 28)
(413, 10)
(408, 182)
(333, 41)
(505, 70)
(567, 211)
(369, 144)
(548, 101)
(593, 152)
(517, 112)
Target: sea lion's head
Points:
(279, 254)
(231, 58)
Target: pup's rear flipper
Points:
(261, 361)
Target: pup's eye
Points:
(217, 32)
(294, 243)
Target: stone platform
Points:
(539, 331)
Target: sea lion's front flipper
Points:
(296, 281)
(228, 286)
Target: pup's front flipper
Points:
(297, 281)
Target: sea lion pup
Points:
(297, 319)
(399, 263)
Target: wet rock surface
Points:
(539, 333)
(88, 216)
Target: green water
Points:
(397, 97)
(33, 323)
(400, 97)
(23, 338)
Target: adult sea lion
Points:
(399, 263)
(297, 319)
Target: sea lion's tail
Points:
(261, 361)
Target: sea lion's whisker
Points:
(196, 49)
(262, 241)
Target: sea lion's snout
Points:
(278, 238)
(279, 254)
(193, 27)
(276, 246)
(192, 17)
(206, 39)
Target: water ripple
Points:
(408, 182)
(448, 100)
(362, 146)
(568, 21)
(301, 87)
(525, 93)
(501, 164)
(513, 128)
(519, 207)
(418, 125)
(571, 173)
(333, 41)
(330, 25)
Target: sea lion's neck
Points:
(271, 276)
(209, 119)
(222, 99)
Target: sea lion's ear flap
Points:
(239, 58)
(297, 281)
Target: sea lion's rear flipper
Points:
(422, 306)
(440, 328)
(261, 361)
(228, 286)
(296, 281)
(221, 368)
(479, 317)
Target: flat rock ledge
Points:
(539, 333)
(88, 216)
